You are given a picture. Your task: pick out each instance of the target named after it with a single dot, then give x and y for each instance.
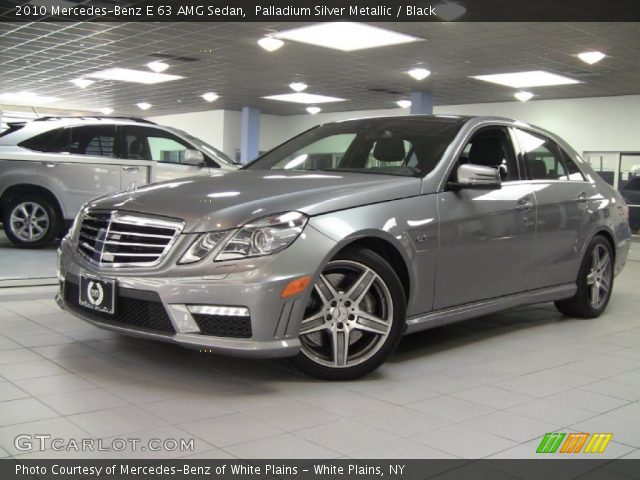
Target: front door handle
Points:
(582, 197)
(131, 169)
(524, 204)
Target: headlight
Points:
(261, 237)
(264, 236)
(201, 247)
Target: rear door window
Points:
(93, 140)
(544, 159)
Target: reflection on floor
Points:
(25, 263)
(490, 387)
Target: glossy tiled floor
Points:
(489, 387)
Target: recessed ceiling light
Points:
(404, 103)
(210, 96)
(106, 111)
(537, 78)
(591, 57)
(304, 98)
(135, 76)
(419, 73)
(449, 11)
(298, 86)
(314, 110)
(143, 105)
(26, 98)
(270, 44)
(158, 66)
(82, 82)
(346, 36)
(523, 96)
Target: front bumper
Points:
(155, 305)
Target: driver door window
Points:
(144, 143)
(491, 147)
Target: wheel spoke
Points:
(312, 324)
(595, 295)
(340, 341)
(604, 261)
(361, 286)
(23, 210)
(370, 323)
(591, 278)
(604, 285)
(325, 289)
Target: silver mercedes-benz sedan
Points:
(333, 245)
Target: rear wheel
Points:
(354, 319)
(595, 282)
(31, 222)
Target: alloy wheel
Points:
(348, 317)
(29, 221)
(599, 276)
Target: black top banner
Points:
(321, 10)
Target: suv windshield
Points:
(409, 146)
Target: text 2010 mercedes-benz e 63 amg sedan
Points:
(331, 246)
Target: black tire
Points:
(53, 222)
(385, 294)
(582, 304)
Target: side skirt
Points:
(484, 307)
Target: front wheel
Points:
(31, 222)
(595, 282)
(354, 318)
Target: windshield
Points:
(408, 146)
(213, 152)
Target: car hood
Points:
(220, 202)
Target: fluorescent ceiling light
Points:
(304, 98)
(26, 98)
(523, 96)
(537, 78)
(419, 73)
(158, 66)
(404, 103)
(298, 86)
(449, 11)
(314, 110)
(135, 76)
(346, 36)
(591, 57)
(143, 105)
(82, 82)
(210, 96)
(270, 44)
(106, 111)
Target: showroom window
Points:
(144, 143)
(544, 160)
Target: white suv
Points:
(51, 166)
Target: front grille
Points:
(144, 310)
(120, 239)
(223, 325)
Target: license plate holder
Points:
(98, 294)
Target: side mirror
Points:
(476, 176)
(193, 157)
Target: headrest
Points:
(486, 151)
(389, 150)
(537, 168)
(135, 148)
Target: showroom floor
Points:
(485, 388)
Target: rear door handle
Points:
(131, 169)
(524, 204)
(582, 197)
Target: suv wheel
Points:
(32, 222)
(595, 282)
(354, 318)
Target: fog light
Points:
(296, 286)
(219, 310)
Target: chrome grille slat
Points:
(120, 239)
